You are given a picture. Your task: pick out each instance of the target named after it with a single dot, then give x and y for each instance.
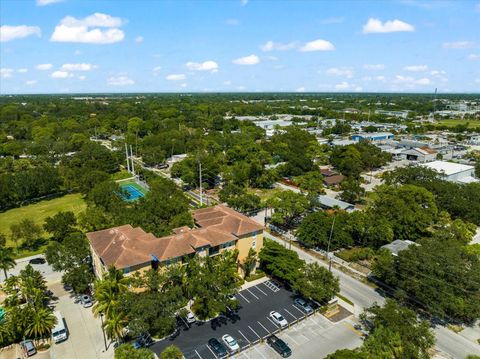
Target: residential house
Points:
(217, 229)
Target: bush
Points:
(355, 254)
(257, 275)
(43, 346)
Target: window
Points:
(228, 244)
(126, 270)
(254, 244)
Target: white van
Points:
(59, 332)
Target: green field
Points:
(453, 123)
(39, 211)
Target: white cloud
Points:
(474, 57)
(300, 89)
(82, 77)
(78, 67)
(77, 52)
(416, 68)
(47, 2)
(227, 82)
(457, 45)
(243, 2)
(477, 81)
(175, 77)
(44, 66)
(232, 22)
(342, 71)
(376, 26)
(6, 73)
(30, 82)
(437, 72)
(139, 39)
(183, 85)
(88, 30)
(277, 46)
(202, 66)
(120, 81)
(247, 60)
(60, 74)
(156, 70)
(342, 86)
(317, 45)
(374, 67)
(22, 71)
(8, 33)
(423, 81)
(380, 78)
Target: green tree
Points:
(250, 262)
(115, 324)
(288, 206)
(6, 259)
(27, 231)
(352, 192)
(317, 283)
(311, 182)
(171, 352)
(477, 168)
(346, 354)
(127, 351)
(41, 323)
(280, 262)
(60, 225)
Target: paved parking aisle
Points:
(248, 326)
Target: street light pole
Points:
(103, 331)
(328, 246)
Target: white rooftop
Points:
(448, 168)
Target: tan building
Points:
(217, 229)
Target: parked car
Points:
(278, 318)
(217, 347)
(28, 348)
(38, 260)
(86, 301)
(144, 340)
(279, 346)
(231, 343)
(303, 305)
(190, 318)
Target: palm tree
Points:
(115, 324)
(6, 259)
(41, 323)
(119, 282)
(107, 301)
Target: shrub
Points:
(355, 254)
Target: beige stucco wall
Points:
(244, 244)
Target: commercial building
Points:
(217, 229)
(422, 154)
(373, 136)
(454, 172)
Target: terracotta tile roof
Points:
(126, 246)
(333, 180)
(226, 220)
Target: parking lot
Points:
(248, 326)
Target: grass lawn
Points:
(122, 174)
(265, 194)
(453, 123)
(38, 212)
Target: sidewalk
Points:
(253, 283)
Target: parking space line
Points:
(294, 317)
(260, 290)
(240, 294)
(275, 324)
(268, 331)
(291, 338)
(198, 354)
(244, 337)
(248, 290)
(269, 286)
(303, 314)
(259, 352)
(254, 332)
(211, 351)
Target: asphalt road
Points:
(249, 325)
(363, 296)
(50, 275)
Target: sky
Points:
(82, 46)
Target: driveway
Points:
(49, 274)
(85, 339)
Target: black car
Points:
(217, 347)
(280, 346)
(38, 260)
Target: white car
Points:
(231, 343)
(190, 318)
(278, 318)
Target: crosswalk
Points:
(272, 286)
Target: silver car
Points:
(86, 301)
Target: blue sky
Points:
(52, 46)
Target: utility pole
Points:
(103, 331)
(328, 246)
(200, 169)
(128, 160)
(131, 157)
